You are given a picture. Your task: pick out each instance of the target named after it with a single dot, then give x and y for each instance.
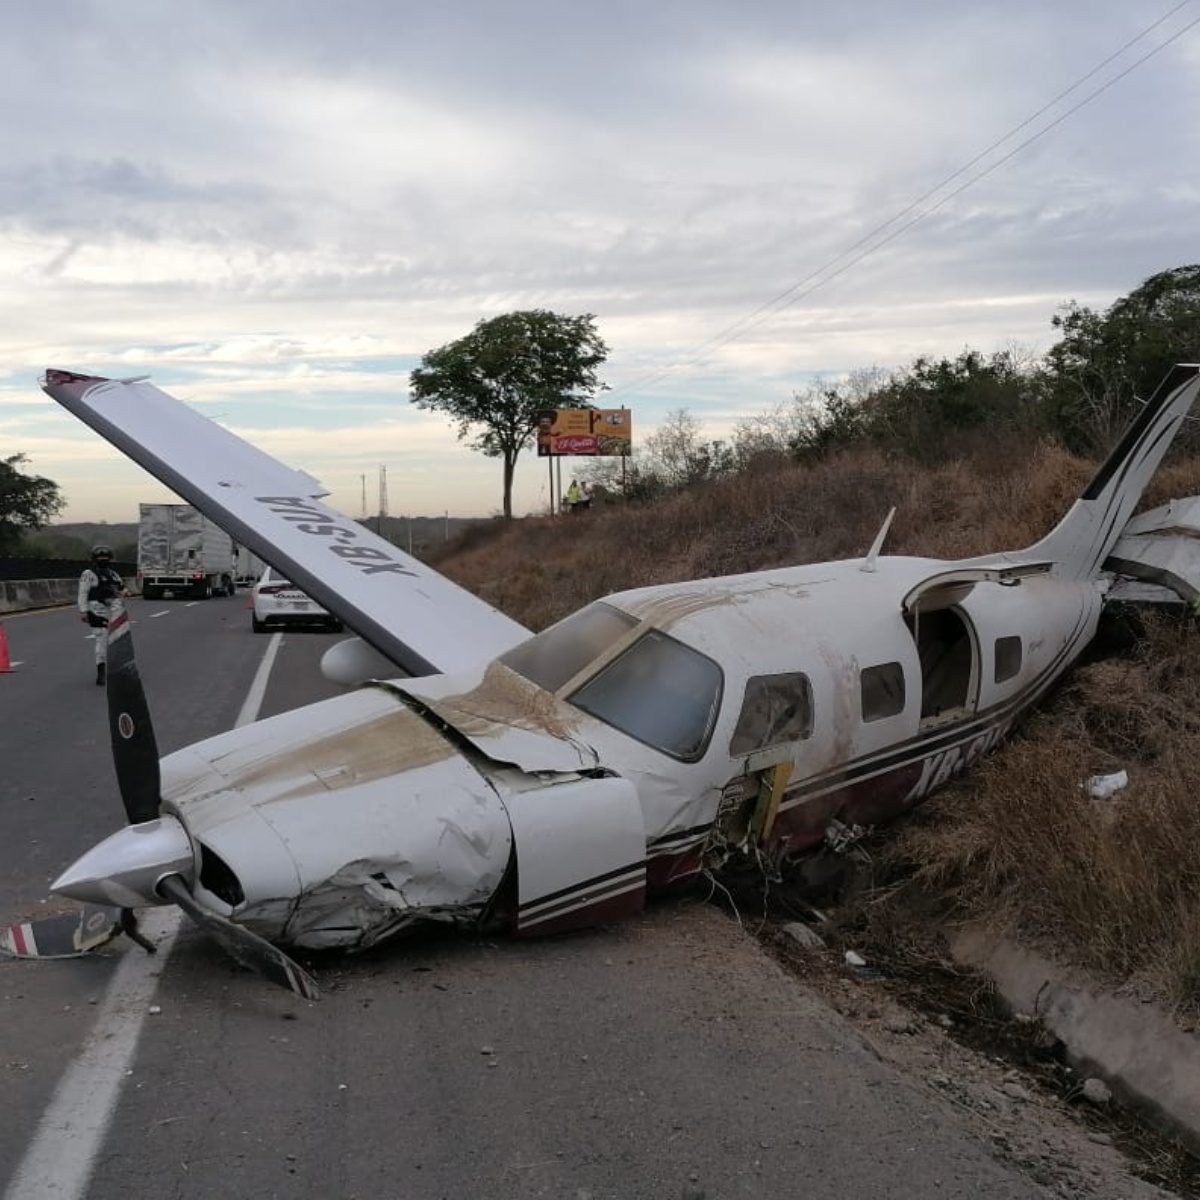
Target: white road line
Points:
(191, 604)
(258, 689)
(159, 614)
(59, 1162)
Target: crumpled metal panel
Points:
(431, 845)
(1181, 517)
(1163, 547)
(1133, 591)
(508, 718)
(357, 808)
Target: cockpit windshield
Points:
(659, 691)
(559, 653)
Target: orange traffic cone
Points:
(5, 661)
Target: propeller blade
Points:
(253, 952)
(67, 935)
(135, 752)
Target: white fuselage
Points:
(347, 820)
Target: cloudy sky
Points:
(275, 208)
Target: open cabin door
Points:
(947, 641)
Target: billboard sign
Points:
(573, 431)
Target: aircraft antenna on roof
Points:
(877, 545)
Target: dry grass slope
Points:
(540, 569)
(1114, 884)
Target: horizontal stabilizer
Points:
(1133, 591)
(1162, 548)
(415, 617)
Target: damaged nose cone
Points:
(125, 869)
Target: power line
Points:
(825, 273)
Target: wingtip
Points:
(55, 378)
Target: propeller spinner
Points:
(151, 860)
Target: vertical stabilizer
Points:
(1081, 541)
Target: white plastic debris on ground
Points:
(1101, 787)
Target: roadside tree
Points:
(494, 382)
(27, 502)
(680, 455)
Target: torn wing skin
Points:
(415, 617)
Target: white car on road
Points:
(278, 601)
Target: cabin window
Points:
(776, 709)
(562, 651)
(660, 692)
(1008, 658)
(882, 691)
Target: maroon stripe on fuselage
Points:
(668, 870)
(881, 797)
(602, 912)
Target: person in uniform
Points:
(99, 586)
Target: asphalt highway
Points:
(663, 1058)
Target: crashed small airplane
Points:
(540, 783)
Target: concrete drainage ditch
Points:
(1125, 1072)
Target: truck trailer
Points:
(181, 551)
(247, 567)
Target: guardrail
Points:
(16, 595)
(45, 582)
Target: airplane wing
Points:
(417, 618)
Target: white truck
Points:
(247, 567)
(181, 551)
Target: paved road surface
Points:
(660, 1058)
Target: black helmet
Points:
(102, 552)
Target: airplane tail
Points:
(1083, 539)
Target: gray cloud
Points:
(190, 175)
